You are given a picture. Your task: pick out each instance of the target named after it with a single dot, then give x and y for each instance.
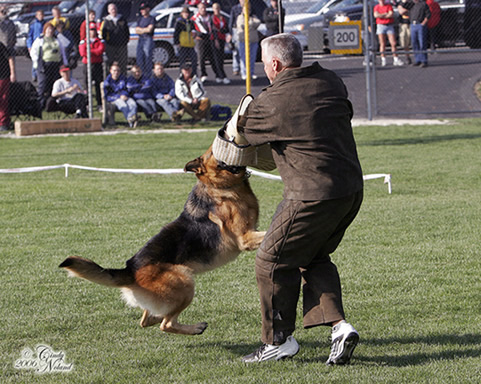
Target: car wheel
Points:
(163, 53)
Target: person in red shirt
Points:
(384, 14)
(219, 30)
(97, 49)
(433, 23)
(92, 21)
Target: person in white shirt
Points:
(191, 93)
(68, 95)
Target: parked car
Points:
(163, 35)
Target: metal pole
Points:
(279, 9)
(367, 57)
(247, 47)
(89, 67)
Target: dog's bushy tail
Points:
(87, 269)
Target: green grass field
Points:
(410, 264)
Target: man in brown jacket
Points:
(305, 116)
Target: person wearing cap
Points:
(115, 90)
(68, 94)
(314, 150)
(145, 46)
(184, 42)
(48, 54)
(191, 93)
(116, 35)
(97, 49)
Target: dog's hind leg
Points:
(171, 325)
(148, 319)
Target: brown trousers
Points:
(297, 247)
(199, 111)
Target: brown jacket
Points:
(305, 115)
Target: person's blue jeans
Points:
(169, 106)
(127, 107)
(419, 34)
(144, 55)
(253, 55)
(148, 106)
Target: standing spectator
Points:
(139, 87)
(68, 94)
(7, 66)
(116, 35)
(433, 23)
(219, 30)
(404, 30)
(35, 29)
(191, 93)
(184, 42)
(48, 54)
(96, 58)
(203, 28)
(271, 18)
(235, 11)
(163, 90)
(253, 24)
(145, 46)
(419, 14)
(92, 22)
(115, 90)
(64, 36)
(57, 17)
(384, 14)
(314, 149)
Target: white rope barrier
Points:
(385, 176)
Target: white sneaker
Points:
(344, 339)
(218, 80)
(203, 79)
(273, 352)
(254, 77)
(226, 80)
(398, 62)
(383, 61)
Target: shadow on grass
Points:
(454, 347)
(421, 140)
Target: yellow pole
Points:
(247, 48)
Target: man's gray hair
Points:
(285, 47)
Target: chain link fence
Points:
(447, 86)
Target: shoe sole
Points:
(349, 345)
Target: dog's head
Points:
(216, 173)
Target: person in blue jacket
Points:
(115, 90)
(140, 89)
(35, 29)
(163, 90)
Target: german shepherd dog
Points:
(218, 222)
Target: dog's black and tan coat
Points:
(218, 222)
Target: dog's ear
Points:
(194, 166)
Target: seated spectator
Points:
(115, 90)
(190, 91)
(163, 90)
(96, 58)
(68, 95)
(140, 89)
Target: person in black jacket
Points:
(271, 18)
(115, 33)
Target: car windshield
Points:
(166, 4)
(67, 6)
(345, 3)
(317, 6)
